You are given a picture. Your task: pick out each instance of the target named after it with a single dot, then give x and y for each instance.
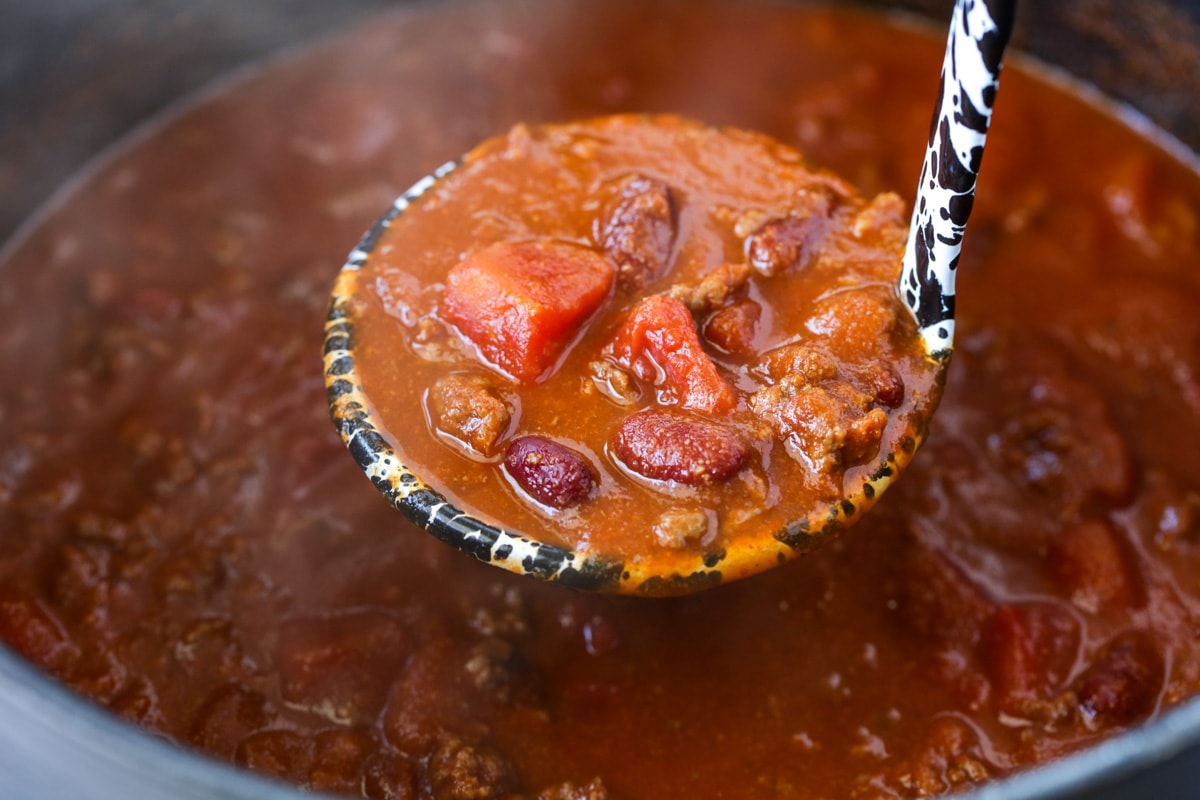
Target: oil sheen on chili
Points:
(184, 540)
(641, 332)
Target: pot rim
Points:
(90, 738)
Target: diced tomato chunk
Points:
(1029, 650)
(658, 341)
(520, 303)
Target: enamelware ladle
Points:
(979, 32)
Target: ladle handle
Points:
(979, 32)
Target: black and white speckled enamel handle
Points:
(979, 32)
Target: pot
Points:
(78, 74)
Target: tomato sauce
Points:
(184, 540)
(640, 333)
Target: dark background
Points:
(76, 74)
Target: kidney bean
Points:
(785, 242)
(639, 230)
(886, 385)
(854, 321)
(600, 636)
(1122, 683)
(670, 446)
(550, 473)
(733, 327)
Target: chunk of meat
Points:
(27, 626)
(684, 526)
(389, 777)
(732, 328)
(472, 409)
(521, 303)
(138, 702)
(1122, 683)
(227, 715)
(462, 771)
(789, 242)
(800, 360)
(658, 343)
(338, 757)
(417, 716)
(324, 668)
(713, 289)
(1087, 559)
(939, 601)
(949, 756)
(1064, 444)
(863, 436)
(613, 382)
(810, 363)
(884, 383)
(550, 473)
(826, 426)
(670, 446)
(856, 321)
(489, 667)
(285, 754)
(884, 212)
(592, 790)
(639, 230)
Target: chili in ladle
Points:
(668, 355)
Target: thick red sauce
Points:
(184, 540)
(640, 335)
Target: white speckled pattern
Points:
(979, 31)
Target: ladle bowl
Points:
(978, 34)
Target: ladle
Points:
(979, 32)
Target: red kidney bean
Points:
(1122, 683)
(670, 446)
(639, 230)
(783, 243)
(732, 328)
(550, 473)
